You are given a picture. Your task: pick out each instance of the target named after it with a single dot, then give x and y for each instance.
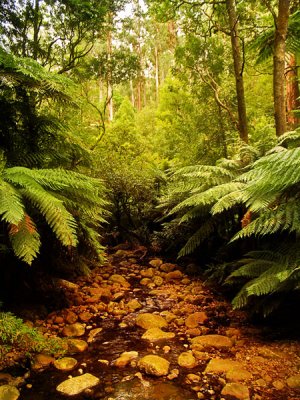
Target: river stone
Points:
(133, 305)
(238, 374)
(119, 279)
(77, 345)
(125, 358)
(168, 267)
(156, 263)
(154, 365)
(235, 391)
(148, 321)
(77, 385)
(8, 392)
(41, 361)
(294, 381)
(174, 275)
(76, 329)
(154, 334)
(195, 319)
(216, 341)
(65, 363)
(219, 365)
(158, 280)
(187, 360)
(148, 273)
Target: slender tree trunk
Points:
(281, 26)
(156, 72)
(292, 92)
(36, 29)
(109, 79)
(238, 69)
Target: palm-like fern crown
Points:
(66, 200)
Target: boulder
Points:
(65, 363)
(235, 391)
(187, 360)
(219, 365)
(195, 319)
(8, 392)
(156, 263)
(76, 329)
(174, 275)
(155, 334)
(41, 361)
(154, 365)
(148, 320)
(168, 267)
(215, 341)
(294, 381)
(125, 358)
(77, 385)
(133, 305)
(120, 280)
(77, 345)
(238, 375)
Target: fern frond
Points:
(25, 239)
(11, 205)
(206, 229)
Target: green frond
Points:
(25, 239)
(11, 205)
(228, 201)
(206, 229)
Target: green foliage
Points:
(68, 202)
(24, 340)
(269, 275)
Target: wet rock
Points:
(93, 333)
(294, 382)
(168, 267)
(279, 385)
(76, 329)
(215, 341)
(155, 334)
(121, 253)
(201, 355)
(192, 378)
(125, 358)
(169, 317)
(133, 305)
(174, 373)
(154, 365)
(5, 378)
(71, 317)
(235, 391)
(238, 375)
(77, 345)
(120, 280)
(147, 321)
(41, 361)
(64, 284)
(195, 319)
(194, 332)
(174, 275)
(219, 365)
(267, 353)
(145, 281)
(77, 385)
(85, 316)
(187, 360)
(158, 280)
(65, 363)
(148, 273)
(8, 392)
(156, 263)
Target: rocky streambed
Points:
(138, 328)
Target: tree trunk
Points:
(109, 78)
(281, 26)
(292, 92)
(238, 69)
(156, 72)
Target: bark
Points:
(238, 69)
(292, 92)
(156, 72)
(281, 26)
(109, 79)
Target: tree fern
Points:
(25, 192)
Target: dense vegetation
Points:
(172, 123)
